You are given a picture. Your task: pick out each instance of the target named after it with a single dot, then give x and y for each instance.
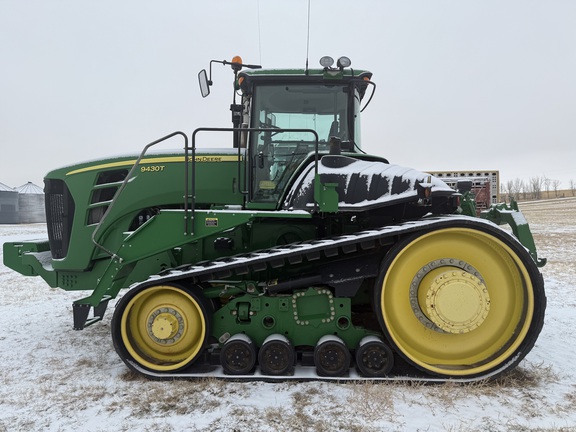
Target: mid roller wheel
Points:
(373, 357)
(331, 357)
(276, 356)
(238, 355)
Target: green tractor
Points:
(290, 254)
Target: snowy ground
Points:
(53, 378)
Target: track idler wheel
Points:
(276, 356)
(462, 301)
(238, 355)
(373, 357)
(331, 357)
(162, 328)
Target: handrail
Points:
(189, 180)
(123, 185)
(239, 130)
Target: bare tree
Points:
(546, 182)
(515, 188)
(555, 186)
(573, 187)
(510, 189)
(536, 186)
(505, 191)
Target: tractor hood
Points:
(362, 185)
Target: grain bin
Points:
(8, 205)
(31, 203)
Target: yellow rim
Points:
(457, 301)
(163, 328)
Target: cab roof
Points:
(324, 73)
(248, 77)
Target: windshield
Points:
(275, 155)
(319, 107)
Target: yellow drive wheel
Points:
(162, 328)
(460, 301)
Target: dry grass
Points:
(174, 397)
(310, 404)
(570, 400)
(373, 401)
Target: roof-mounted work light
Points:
(343, 62)
(326, 61)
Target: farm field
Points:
(53, 378)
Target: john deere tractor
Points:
(289, 253)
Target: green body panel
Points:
(326, 195)
(23, 257)
(303, 317)
(502, 214)
(156, 175)
(468, 204)
(162, 243)
(167, 230)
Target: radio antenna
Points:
(308, 38)
(259, 36)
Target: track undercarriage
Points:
(443, 298)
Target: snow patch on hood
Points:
(362, 183)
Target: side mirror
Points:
(204, 83)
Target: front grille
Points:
(59, 216)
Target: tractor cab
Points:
(292, 116)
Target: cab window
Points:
(276, 154)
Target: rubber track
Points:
(308, 373)
(293, 254)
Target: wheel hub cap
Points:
(165, 326)
(449, 296)
(457, 302)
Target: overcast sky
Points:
(461, 85)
